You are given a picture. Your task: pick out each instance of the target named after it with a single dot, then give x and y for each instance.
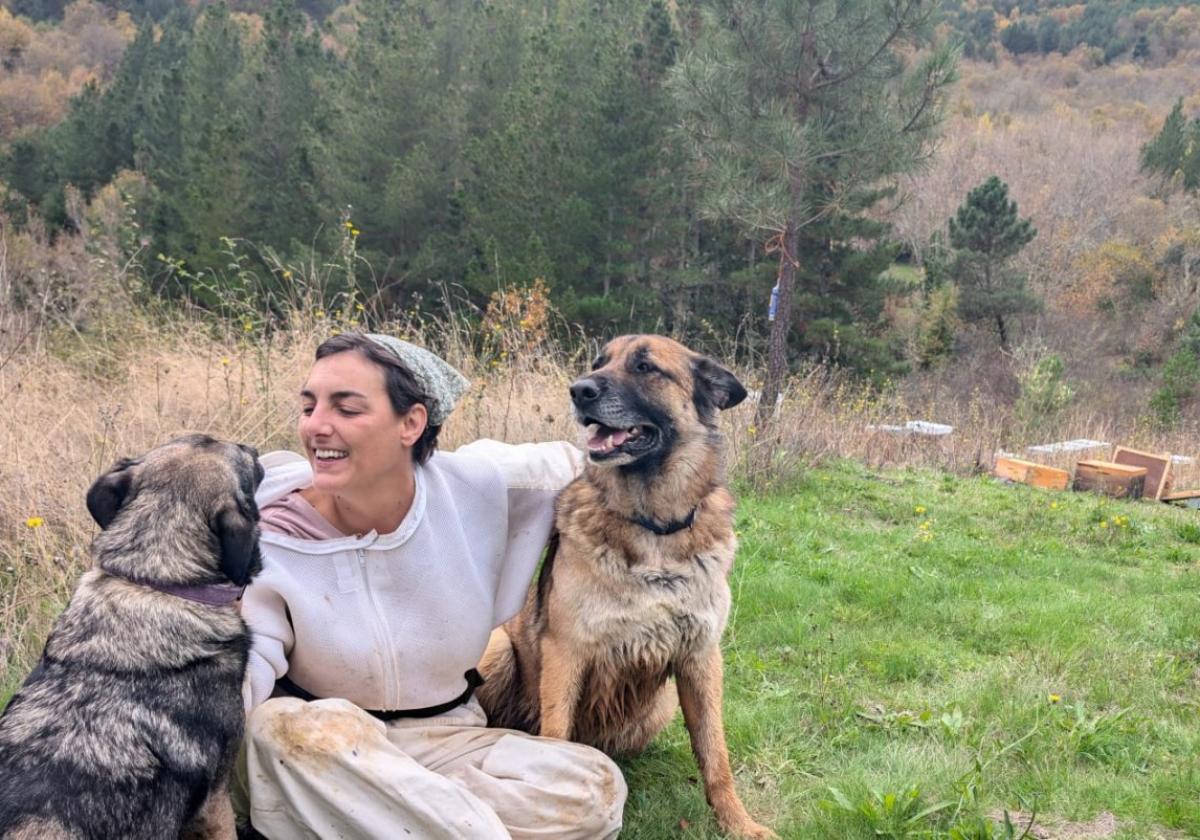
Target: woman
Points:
(385, 567)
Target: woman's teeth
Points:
(329, 454)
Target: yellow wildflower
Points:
(349, 224)
(287, 275)
(1054, 505)
(752, 430)
(247, 326)
(1104, 524)
(1054, 698)
(358, 307)
(919, 509)
(320, 313)
(225, 360)
(34, 522)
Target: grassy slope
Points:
(992, 646)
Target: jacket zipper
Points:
(392, 690)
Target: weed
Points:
(891, 814)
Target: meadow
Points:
(915, 649)
(913, 654)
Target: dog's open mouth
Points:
(604, 441)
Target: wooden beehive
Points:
(1158, 469)
(1117, 480)
(1027, 472)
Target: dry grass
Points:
(72, 402)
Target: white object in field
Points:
(916, 427)
(1182, 459)
(1077, 445)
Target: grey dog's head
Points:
(192, 489)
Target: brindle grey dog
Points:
(635, 593)
(129, 724)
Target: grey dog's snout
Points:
(585, 391)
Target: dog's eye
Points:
(644, 367)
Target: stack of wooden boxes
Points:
(1130, 474)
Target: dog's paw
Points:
(751, 830)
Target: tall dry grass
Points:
(71, 402)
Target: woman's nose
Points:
(317, 421)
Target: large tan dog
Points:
(635, 591)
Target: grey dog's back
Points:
(66, 775)
(131, 720)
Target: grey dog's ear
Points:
(237, 534)
(716, 386)
(110, 492)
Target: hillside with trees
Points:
(443, 154)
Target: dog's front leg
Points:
(700, 682)
(558, 691)
(214, 820)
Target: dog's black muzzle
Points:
(586, 391)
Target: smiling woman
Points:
(386, 564)
(364, 424)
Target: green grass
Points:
(910, 652)
(911, 640)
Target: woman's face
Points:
(351, 434)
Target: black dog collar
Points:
(669, 528)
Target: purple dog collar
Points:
(212, 594)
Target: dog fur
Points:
(129, 724)
(619, 609)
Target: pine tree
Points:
(201, 167)
(986, 233)
(283, 119)
(790, 109)
(1164, 155)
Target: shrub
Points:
(1044, 391)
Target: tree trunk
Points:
(1003, 332)
(777, 362)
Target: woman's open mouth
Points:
(326, 456)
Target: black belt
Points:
(473, 677)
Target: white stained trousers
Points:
(327, 769)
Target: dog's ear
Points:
(110, 492)
(237, 535)
(715, 386)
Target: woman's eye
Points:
(306, 410)
(346, 412)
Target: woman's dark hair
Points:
(402, 387)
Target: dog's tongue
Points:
(606, 440)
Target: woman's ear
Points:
(413, 423)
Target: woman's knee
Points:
(609, 792)
(601, 791)
(326, 727)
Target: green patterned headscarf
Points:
(442, 383)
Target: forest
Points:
(1002, 203)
